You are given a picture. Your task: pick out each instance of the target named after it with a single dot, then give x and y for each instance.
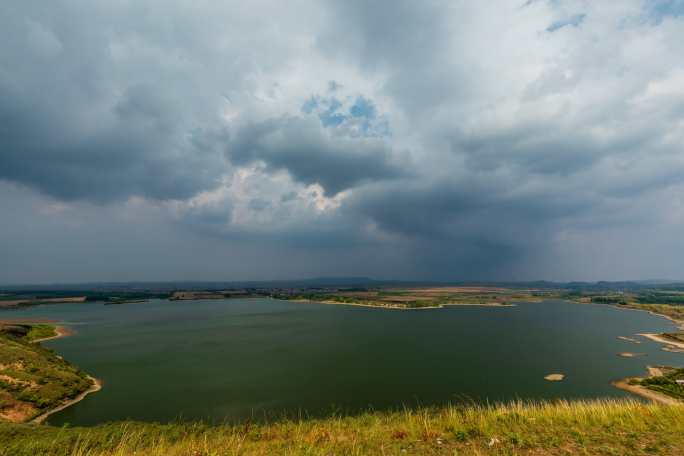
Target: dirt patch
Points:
(16, 381)
(17, 412)
(654, 371)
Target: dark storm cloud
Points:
(139, 153)
(311, 156)
(536, 149)
(404, 40)
(76, 123)
(478, 210)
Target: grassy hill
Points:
(33, 379)
(563, 428)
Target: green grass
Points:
(673, 311)
(34, 379)
(666, 384)
(40, 331)
(564, 428)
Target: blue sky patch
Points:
(363, 107)
(573, 21)
(660, 9)
(352, 115)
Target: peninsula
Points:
(34, 381)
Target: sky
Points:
(436, 140)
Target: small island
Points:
(630, 354)
(555, 377)
(418, 298)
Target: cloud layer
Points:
(434, 140)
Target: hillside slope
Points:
(590, 428)
(34, 379)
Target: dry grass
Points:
(429, 297)
(449, 290)
(673, 312)
(564, 428)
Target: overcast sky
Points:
(445, 140)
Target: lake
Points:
(238, 359)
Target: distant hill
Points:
(323, 282)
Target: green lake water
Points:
(238, 359)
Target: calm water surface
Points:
(245, 358)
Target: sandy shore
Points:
(477, 304)
(555, 377)
(671, 345)
(678, 323)
(630, 354)
(662, 340)
(629, 339)
(398, 307)
(645, 392)
(356, 304)
(97, 386)
(62, 331)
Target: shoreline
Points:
(678, 323)
(641, 391)
(398, 307)
(480, 304)
(645, 393)
(62, 331)
(97, 386)
(670, 345)
(357, 304)
(663, 340)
